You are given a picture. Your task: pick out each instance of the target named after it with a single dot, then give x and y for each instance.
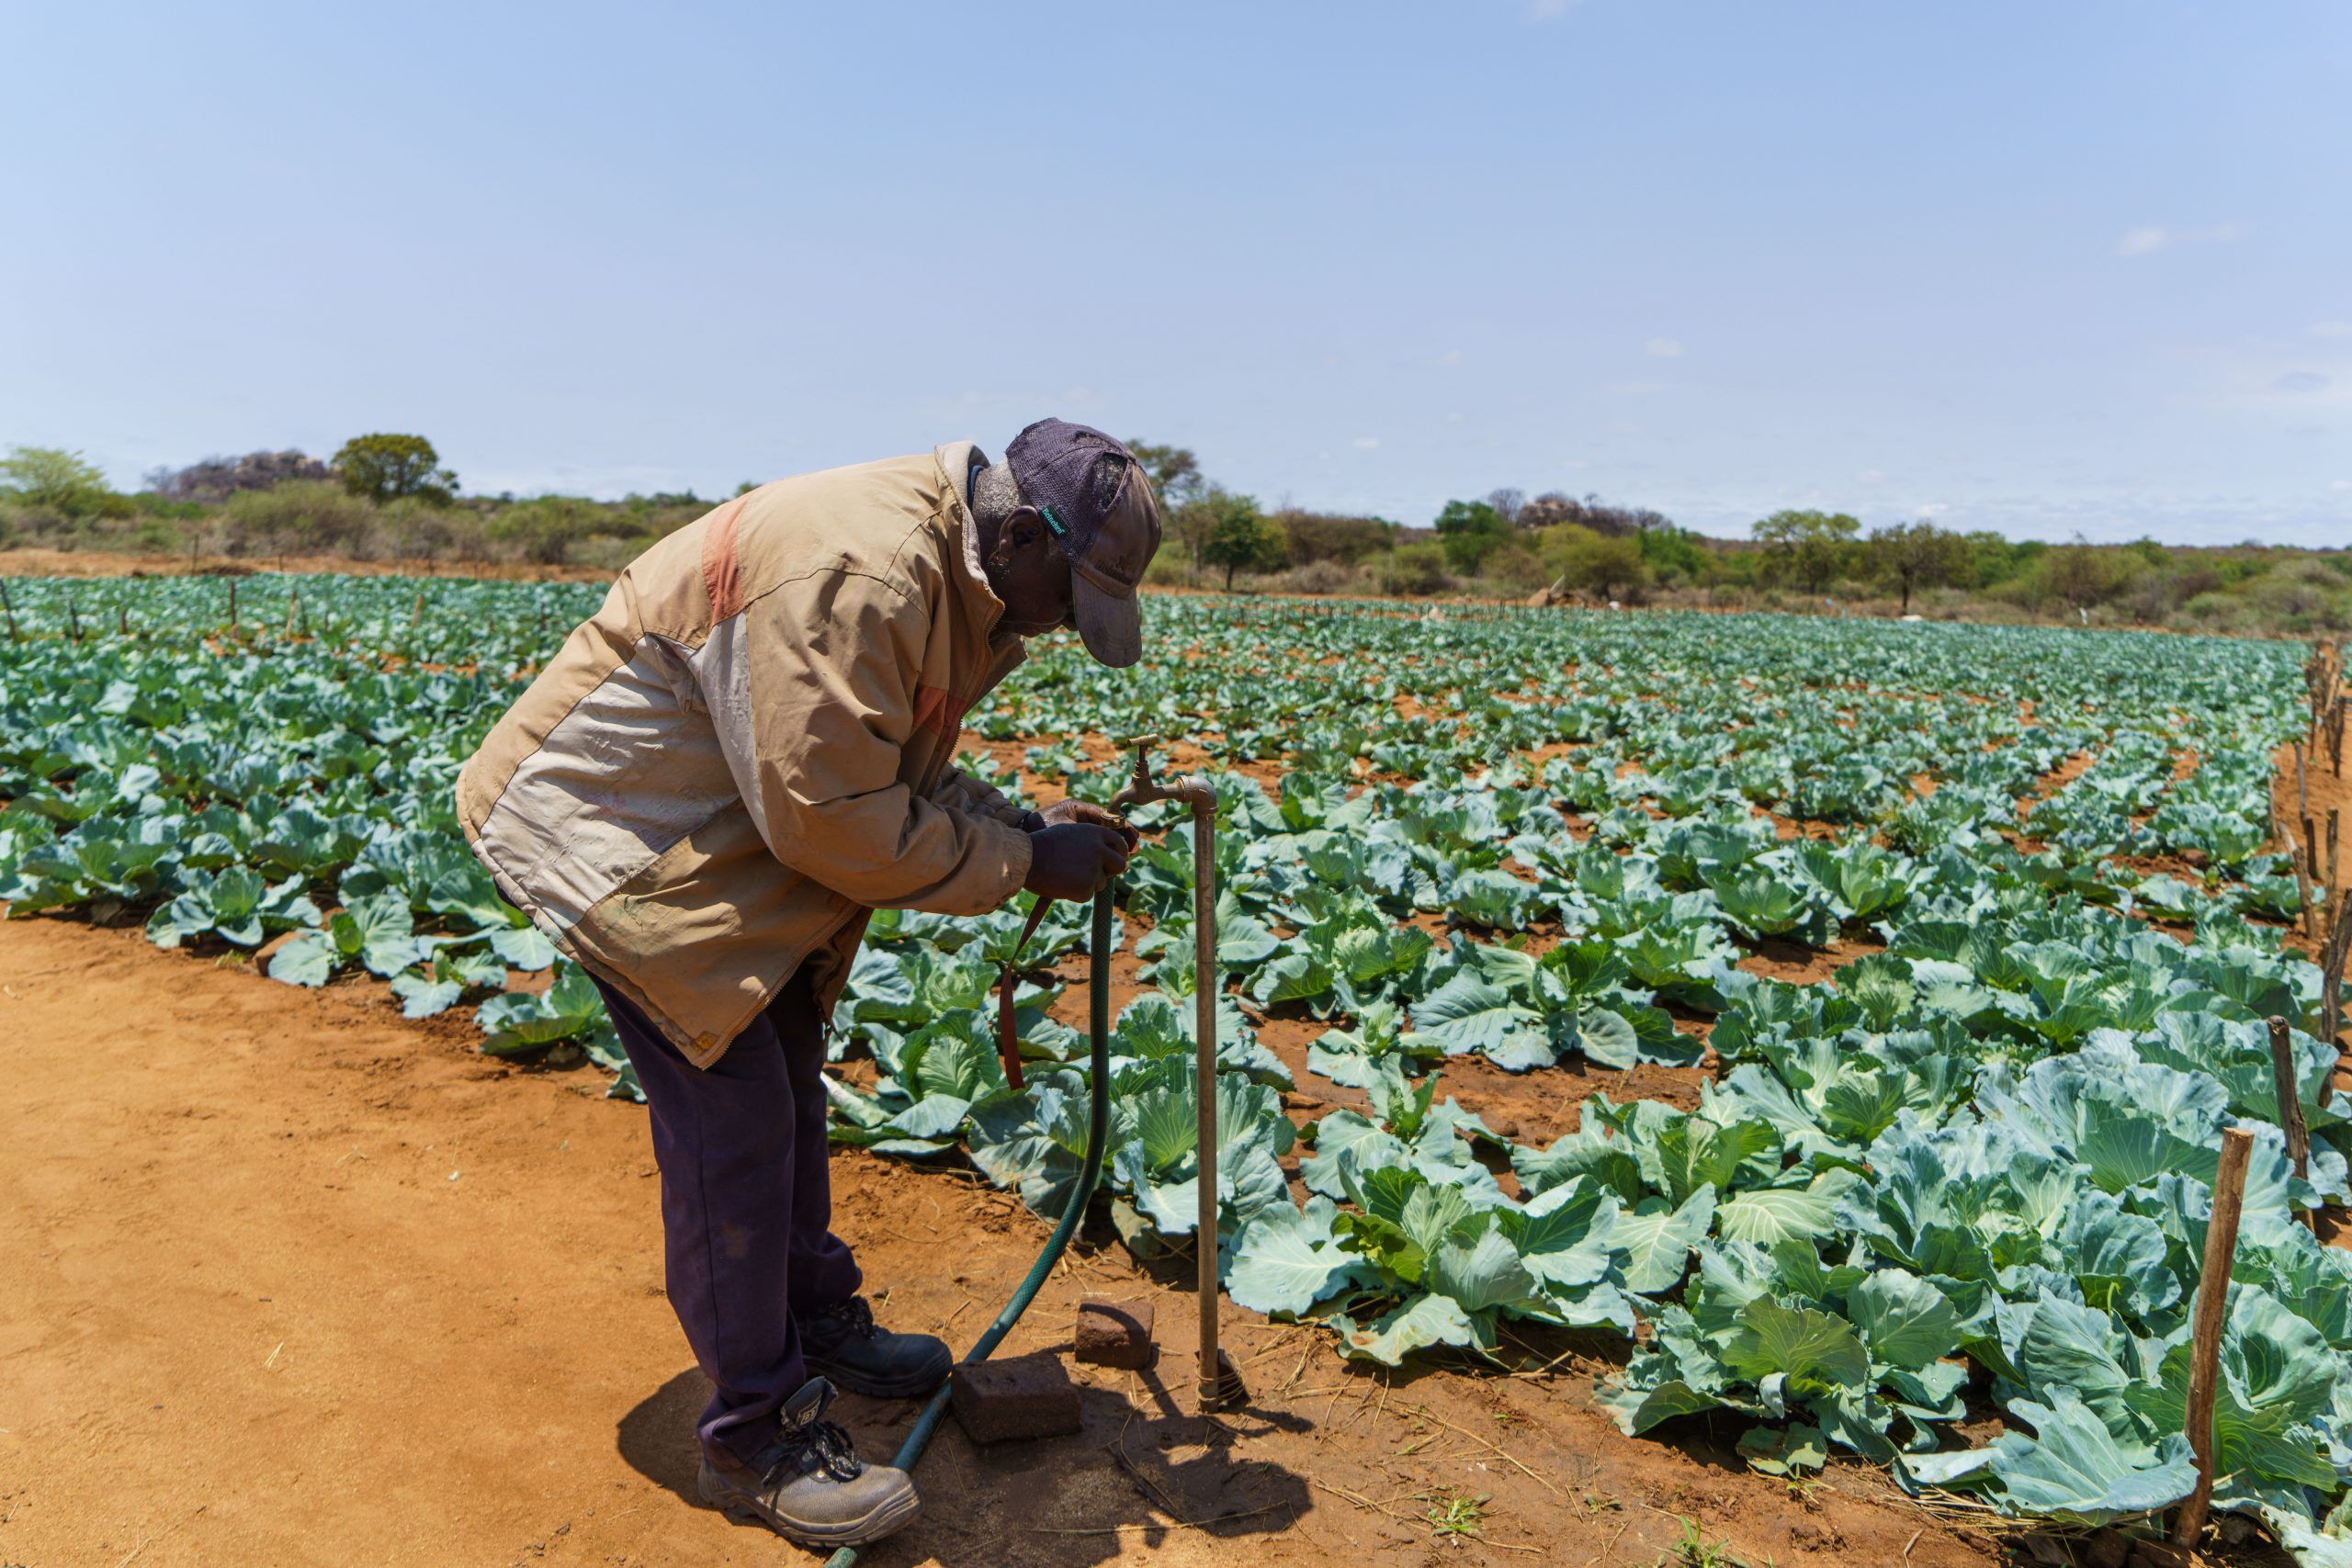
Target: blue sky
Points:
(2042, 267)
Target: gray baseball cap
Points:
(1097, 500)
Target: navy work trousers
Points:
(746, 1206)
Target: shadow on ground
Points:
(1140, 1471)
(657, 1438)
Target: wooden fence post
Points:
(2302, 879)
(2318, 914)
(14, 635)
(233, 601)
(2290, 1106)
(2332, 954)
(2205, 1337)
(2334, 815)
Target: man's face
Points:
(1029, 572)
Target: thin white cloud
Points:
(1663, 348)
(2150, 238)
(1365, 442)
(2341, 485)
(2331, 329)
(2296, 383)
(1547, 10)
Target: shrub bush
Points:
(1415, 568)
(1606, 566)
(545, 530)
(2212, 612)
(1318, 577)
(1516, 570)
(414, 530)
(1169, 568)
(298, 517)
(159, 536)
(1311, 536)
(2303, 594)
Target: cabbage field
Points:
(1965, 1175)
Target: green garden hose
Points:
(1098, 1128)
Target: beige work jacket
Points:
(746, 749)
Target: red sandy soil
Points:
(2323, 791)
(293, 1281)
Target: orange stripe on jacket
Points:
(722, 571)
(933, 713)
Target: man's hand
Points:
(1087, 811)
(1072, 860)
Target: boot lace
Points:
(854, 1318)
(812, 1446)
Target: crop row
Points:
(1973, 1167)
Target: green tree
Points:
(1175, 472)
(1811, 547)
(58, 480)
(1986, 558)
(389, 468)
(1582, 560)
(1671, 554)
(1239, 536)
(1470, 531)
(1916, 555)
(2081, 574)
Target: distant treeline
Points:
(1562, 549)
(388, 497)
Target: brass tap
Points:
(1142, 788)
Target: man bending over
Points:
(702, 798)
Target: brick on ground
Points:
(1019, 1397)
(1114, 1334)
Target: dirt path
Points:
(291, 1281)
(2324, 791)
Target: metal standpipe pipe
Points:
(1196, 791)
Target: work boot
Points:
(846, 1344)
(809, 1486)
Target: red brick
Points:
(1115, 1333)
(1020, 1396)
